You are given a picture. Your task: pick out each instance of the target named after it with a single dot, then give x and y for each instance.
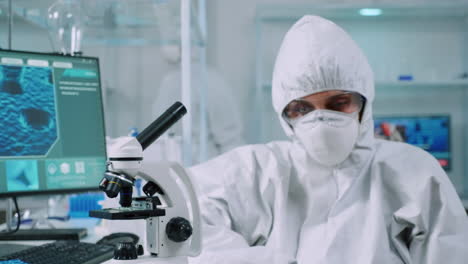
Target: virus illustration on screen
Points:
(27, 111)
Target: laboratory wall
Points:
(25, 36)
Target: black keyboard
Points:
(61, 252)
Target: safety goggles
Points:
(343, 102)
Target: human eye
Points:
(341, 104)
(302, 108)
(297, 109)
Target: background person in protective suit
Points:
(334, 193)
(223, 134)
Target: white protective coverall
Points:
(388, 202)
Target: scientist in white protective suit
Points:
(333, 194)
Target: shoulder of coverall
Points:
(390, 151)
(406, 164)
(249, 158)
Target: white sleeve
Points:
(233, 254)
(236, 225)
(222, 245)
(433, 229)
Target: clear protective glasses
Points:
(343, 102)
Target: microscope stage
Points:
(126, 213)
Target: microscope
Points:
(170, 206)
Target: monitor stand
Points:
(35, 233)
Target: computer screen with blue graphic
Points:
(431, 133)
(52, 137)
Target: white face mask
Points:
(328, 136)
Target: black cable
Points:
(18, 223)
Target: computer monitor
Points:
(431, 133)
(52, 136)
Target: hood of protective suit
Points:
(317, 55)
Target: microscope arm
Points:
(179, 194)
(196, 243)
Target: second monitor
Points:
(431, 133)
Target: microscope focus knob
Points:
(126, 251)
(179, 229)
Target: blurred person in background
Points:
(225, 129)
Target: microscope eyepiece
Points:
(161, 124)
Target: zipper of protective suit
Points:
(337, 194)
(332, 205)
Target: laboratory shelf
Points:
(423, 84)
(113, 23)
(281, 12)
(266, 87)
